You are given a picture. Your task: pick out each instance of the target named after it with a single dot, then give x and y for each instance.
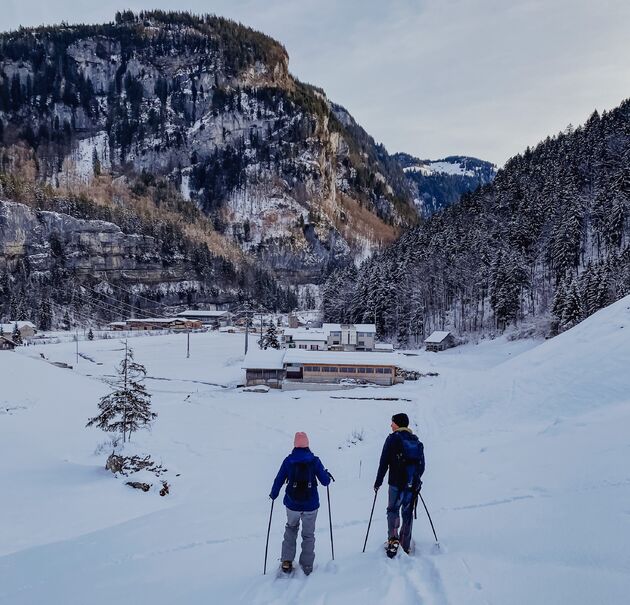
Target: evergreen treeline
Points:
(63, 297)
(550, 234)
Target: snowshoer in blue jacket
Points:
(403, 457)
(300, 470)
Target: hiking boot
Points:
(392, 547)
(287, 566)
(307, 570)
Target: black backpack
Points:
(411, 458)
(301, 481)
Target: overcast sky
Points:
(430, 77)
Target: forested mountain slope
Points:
(436, 184)
(190, 123)
(549, 238)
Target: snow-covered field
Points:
(527, 478)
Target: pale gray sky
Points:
(429, 77)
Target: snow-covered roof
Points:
(383, 346)
(437, 337)
(328, 328)
(302, 334)
(195, 314)
(358, 358)
(157, 320)
(9, 327)
(264, 359)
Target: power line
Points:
(155, 302)
(118, 304)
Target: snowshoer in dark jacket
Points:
(403, 457)
(300, 470)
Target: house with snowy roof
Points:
(26, 328)
(305, 338)
(350, 337)
(439, 341)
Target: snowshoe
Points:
(391, 548)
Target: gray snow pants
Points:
(307, 556)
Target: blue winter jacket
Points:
(300, 454)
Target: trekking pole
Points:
(332, 545)
(370, 522)
(267, 543)
(430, 521)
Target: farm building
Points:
(439, 341)
(172, 323)
(208, 318)
(264, 367)
(273, 367)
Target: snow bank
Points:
(526, 480)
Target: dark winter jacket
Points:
(391, 459)
(300, 454)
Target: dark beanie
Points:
(401, 419)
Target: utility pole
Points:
(246, 329)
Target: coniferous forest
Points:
(542, 247)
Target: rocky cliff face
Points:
(60, 270)
(93, 248)
(210, 106)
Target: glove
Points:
(376, 487)
(272, 497)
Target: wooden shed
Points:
(6, 344)
(439, 341)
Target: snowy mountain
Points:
(171, 106)
(526, 482)
(437, 184)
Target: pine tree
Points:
(17, 335)
(572, 312)
(96, 162)
(90, 335)
(559, 300)
(45, 315)
(270, 339)
(128, 407)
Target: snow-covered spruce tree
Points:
(90, 335)
(128, 407)
(16, 336)
(270, 339)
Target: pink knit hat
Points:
(300, 440)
